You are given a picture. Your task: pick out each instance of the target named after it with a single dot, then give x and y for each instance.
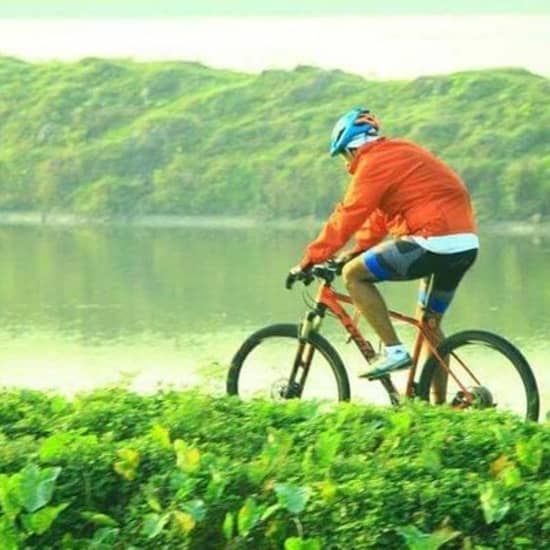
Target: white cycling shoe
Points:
(392, 360)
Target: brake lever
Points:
(308, 278)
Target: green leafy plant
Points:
(25, 502)
(114, 469)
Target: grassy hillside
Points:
(116, 470)
(121, 138)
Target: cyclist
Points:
(401, 190)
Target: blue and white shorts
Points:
(406, 260)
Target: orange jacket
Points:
(398, 188)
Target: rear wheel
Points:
(486, 371)
(275, 363)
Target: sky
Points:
(160, 8)
(377, 39)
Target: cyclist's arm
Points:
(362, 198)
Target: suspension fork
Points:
(304, 354)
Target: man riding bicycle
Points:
(402, 190)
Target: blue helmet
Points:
(354, 126)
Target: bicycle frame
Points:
(328, 298)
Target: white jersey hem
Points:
(448, 244)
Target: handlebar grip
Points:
(326, 272)
(308, 277)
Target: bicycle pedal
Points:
(382, 377)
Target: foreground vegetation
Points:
(117, 138)
(113, 469)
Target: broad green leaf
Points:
(523, 542)
(216, 486)
(8, 536)
(36, 486)
(39, 522)
(228, 526)
(56, 445)
(154, 524)
(98, 518)
(161, 435)
(511, 477)
(269, 511)
(187, 457)
(493, 504)
(128, 463)
(58, 404)
(327, 447)
(292, 497)
(401, 421)
(248, 516)
(153, 502)
(499, 465)
(10, 502)
(529, 453)
(184, 484)
(418, 540)
(327, 489)
(184, 521)
(196, 508)
(430, 459)
(296, 543)
(505, 469)
(104, 538)
(274, 454)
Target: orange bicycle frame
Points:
(327, 297)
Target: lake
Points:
(84, 306)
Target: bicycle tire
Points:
(290, 331)
(453, 343)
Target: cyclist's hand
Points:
(298, 273)
(342, 259)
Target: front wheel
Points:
(485, 371)
(275, 363)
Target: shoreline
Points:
(35, 219)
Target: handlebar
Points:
(328, 271)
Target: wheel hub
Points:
(481, 398)
(282, 390)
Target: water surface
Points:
(86, 306)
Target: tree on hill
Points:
(118, 138)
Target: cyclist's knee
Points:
(355, 272)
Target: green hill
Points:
(118, 138)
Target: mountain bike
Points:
(481, 370)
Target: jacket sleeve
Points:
(371, 232)
(370, 182)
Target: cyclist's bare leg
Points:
(440, 379)
(368, 300)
